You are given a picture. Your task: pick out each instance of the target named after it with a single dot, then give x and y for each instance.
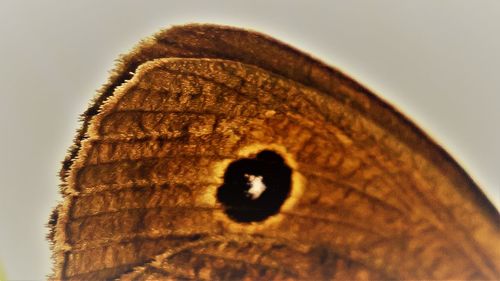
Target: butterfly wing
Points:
(372, 197)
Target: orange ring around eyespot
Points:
(297, 188)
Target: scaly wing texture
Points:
(372, 196)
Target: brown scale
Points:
(215, 153)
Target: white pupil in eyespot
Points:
(256, 186)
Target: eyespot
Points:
(255, 188)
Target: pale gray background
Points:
(438, 61)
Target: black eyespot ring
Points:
(255, 188)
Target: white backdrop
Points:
(437, 61)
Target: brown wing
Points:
(371, 196)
